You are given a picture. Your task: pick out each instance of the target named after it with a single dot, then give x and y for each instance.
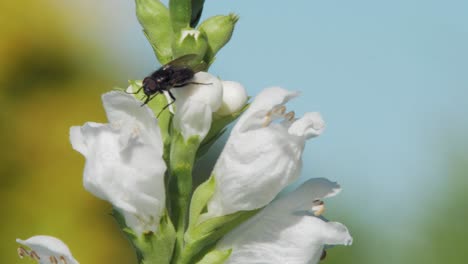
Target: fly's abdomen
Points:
(181, 76)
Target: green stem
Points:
(180, 186)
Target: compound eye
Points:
(149, 84)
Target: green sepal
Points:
(205, 235)
(201, 236)
(200, 199)
(155, 19)
(181, 13)
(218, 127)
(151, 248)
(215, 257)
(190, 41)
(218, 30)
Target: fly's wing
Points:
(202, 66)
(190, 61)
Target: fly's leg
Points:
(148, 98)
(173, 101)
(187, 83)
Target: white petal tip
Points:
(205, 88)
(234, 98)
(310, 125)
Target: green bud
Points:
(218, 30)
(155, 19)
(197, 9)
(190, 41)
(181, 13)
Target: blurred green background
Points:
(391, 81)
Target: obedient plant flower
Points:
(195, 105)
(234, 98)
(289, 230)
(142, 160)
(46, 250)
(124, 162)
(261, 156)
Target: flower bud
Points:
(190, 41)
(209, 91)
(181, 13)
(218, 30)
(155, 19)
(234, 98)
(195, 105)
(197, 9)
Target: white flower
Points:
(46, 250)
(195, 104)
(288, 231)
(234, 98)
(261, 156)
(124, 162)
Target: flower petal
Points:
(129, 175)
(285, 232)
(126, 113)
(261, 156)
(254, 116)
(46, 248)
(234, 98)
(193, 119)
(310, 125)
(209, 90)
(253, 168)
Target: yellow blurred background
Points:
(50, 79)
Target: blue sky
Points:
(389, 77)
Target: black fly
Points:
(175, 74)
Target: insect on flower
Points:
(175, 74)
